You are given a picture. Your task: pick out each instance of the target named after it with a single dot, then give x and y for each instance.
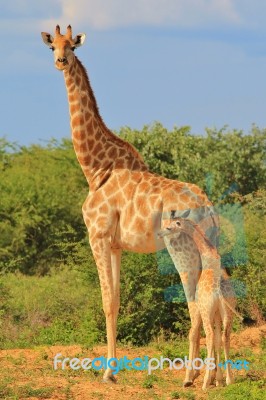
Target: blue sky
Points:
(200, 63)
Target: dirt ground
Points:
(29, 374)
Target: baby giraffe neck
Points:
(210, 257)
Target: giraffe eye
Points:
(52, 48)
(73, 48)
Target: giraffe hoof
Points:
(109, 379)
(213, 382)
(187, 383)
(229, 381)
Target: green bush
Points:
(253, 272)
(58, 308)
(216, 162)
(144, 313)
(42, 191)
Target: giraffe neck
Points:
(96, 147)
(210, 257)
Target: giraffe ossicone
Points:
(126, 201)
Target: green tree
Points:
(42, 189)
(216, 162)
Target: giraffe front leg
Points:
(209, 331)
(108, 264)
(194, 342)
(210, 354)
(197, 351)
(116, 264)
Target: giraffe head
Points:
(175, 226)
(63, 46)
(172, 227)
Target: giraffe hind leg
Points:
(218, 342)
(226, 342)
(185, 256)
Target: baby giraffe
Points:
(215, 295)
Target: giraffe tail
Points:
(244, 320)
(230, 307)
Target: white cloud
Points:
(106, 14)
(27, 15)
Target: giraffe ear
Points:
(47, 38)
(172, 214)
(79, 40)
(185, 214)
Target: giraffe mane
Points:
(108, 134)
(200, 231)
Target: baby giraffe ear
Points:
(47, 38)
(79, 39)
(185, 214)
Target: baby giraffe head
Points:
(172, 227)
(175, 226)
(63, 46)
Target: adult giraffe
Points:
(126, 202)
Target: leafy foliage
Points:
(224, 157)
(144, 313)
(252, 273)
(42, 192)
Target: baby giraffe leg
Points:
(208, 310)
(196, 353)
(209, 331)
(194, 338)
(218, 342)
(226, 341)
(187, 262)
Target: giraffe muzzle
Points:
(164, 232)
(62, 60)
